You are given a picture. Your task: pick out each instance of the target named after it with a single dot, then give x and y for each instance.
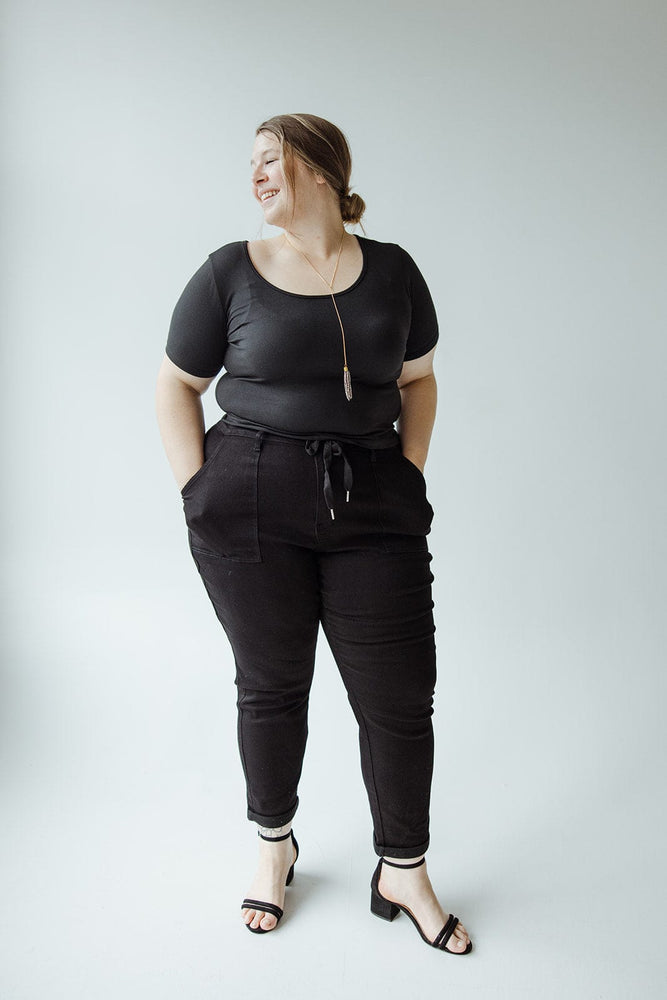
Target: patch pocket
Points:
(405, 513)
(220, 501)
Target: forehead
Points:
(264, 143)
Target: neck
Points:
(317, 236)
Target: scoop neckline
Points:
(301, 295)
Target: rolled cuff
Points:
(391, 851)
(274, 821)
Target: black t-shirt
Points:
(282, 352)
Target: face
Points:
(269, 185)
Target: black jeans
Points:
(276, 564)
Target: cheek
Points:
(277, 175)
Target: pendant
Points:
(347, 383)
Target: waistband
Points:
(331, 450)
(383, 442)
(387, 451)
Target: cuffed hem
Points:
(274, 821)
(386, 850)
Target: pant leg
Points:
(265, 592)
(270, 614)
(377, 616)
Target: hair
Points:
(324, 149)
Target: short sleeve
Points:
(197, 338)
(423, 335)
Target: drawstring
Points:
(331, 450)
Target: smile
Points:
(265, 195)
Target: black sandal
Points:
(385, 908)
(258, 904)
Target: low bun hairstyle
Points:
(352, 207)
(321, 146)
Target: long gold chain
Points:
(347, 376)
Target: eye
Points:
(269, 161)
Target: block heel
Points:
(383, 908)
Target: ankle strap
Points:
(392, 864)
(275, 839)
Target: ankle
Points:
(275, 832)
(416, 862)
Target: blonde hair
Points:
(322, 147)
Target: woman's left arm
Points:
(418, 402)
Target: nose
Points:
(258, 174)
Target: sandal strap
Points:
(392, 864)
(446, 932)
(275, 839)
(257, 904)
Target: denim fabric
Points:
(276, 565)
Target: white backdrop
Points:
(518, 151)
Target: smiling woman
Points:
(326, 339)
(302, 146)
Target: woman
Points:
(305, 507)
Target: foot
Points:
(275, 860)
(412, 888)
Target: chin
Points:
(275, 219)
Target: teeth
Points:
(267, 194)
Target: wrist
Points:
(417, 458)
(184, 476)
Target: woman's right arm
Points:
(181, 419)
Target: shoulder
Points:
(390, 252)
(379, 249)
(230, 253)
(229, 266)
(391, 257)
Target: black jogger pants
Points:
(276, 564)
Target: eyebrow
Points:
(269, 149)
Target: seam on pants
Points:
(239, 706)
(316, 525)
(361, 719)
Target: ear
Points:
(319, 179)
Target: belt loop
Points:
(259, 440)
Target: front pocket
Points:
(414, 468)
(191, 481)
(220, 501)
(213, 441)
(405, 513)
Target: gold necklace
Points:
(347, 377)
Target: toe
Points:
(459, 939)
(258, 920)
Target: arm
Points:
(418, 402)
(181, 419)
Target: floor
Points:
(126, 850)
